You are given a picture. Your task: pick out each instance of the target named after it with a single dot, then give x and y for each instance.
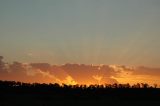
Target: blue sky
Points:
(81, 31)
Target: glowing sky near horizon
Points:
(81, 31)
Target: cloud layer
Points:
(77, 73)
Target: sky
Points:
(123, 32)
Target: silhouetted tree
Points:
(155, 85)
(144, 85)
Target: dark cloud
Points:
(17, 67)
(81, 74)
(77, 73)
(41, 66)
(147, 71)
(84, 73)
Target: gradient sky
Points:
(81, 31)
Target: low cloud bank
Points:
(77, 73)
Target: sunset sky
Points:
(110, 32)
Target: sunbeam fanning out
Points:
(80, 42)
(71, 51)
(98, 78)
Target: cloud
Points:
(68, 73)
(77, 73)
(2, 65)
(147, 70)
(41, 66)
(83, 74)
(136, 74)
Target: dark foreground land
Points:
(25, 94)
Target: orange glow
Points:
(72, 74)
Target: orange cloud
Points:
(77, 73)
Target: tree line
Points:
(56, 85)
